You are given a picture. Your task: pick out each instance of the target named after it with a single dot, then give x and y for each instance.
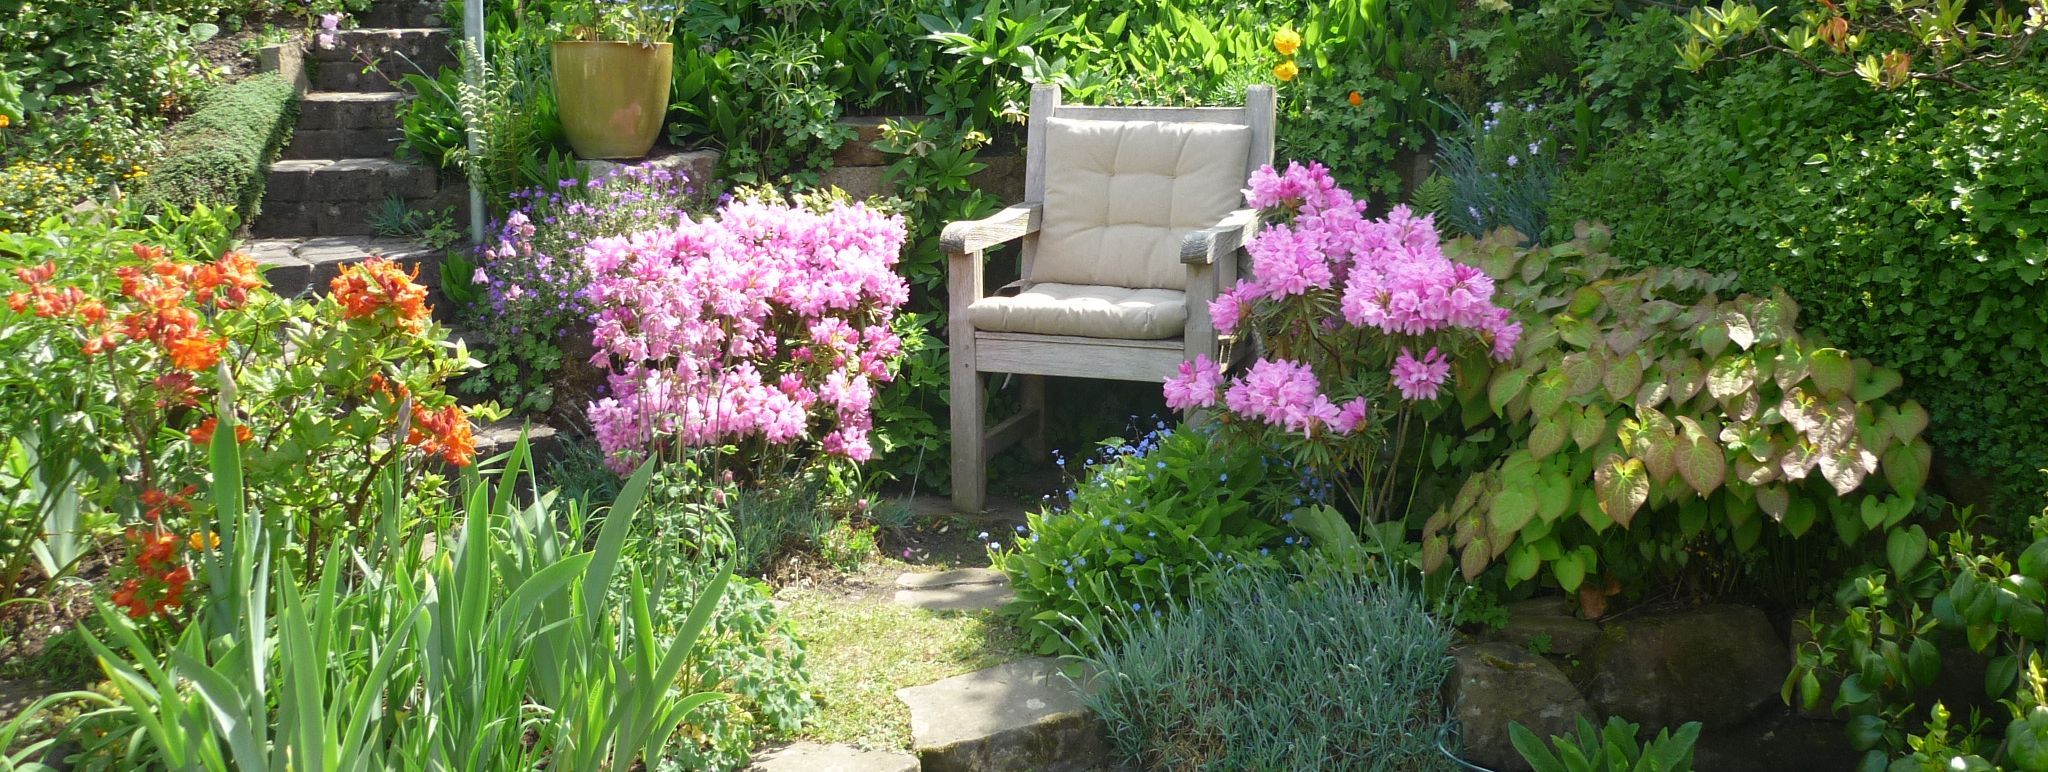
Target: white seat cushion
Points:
(1086, 311)
(1120, 196)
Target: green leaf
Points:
(1623, 377)
(1569, 571)
(1999, 675)
(1582, 373)
(1504, 387)
(1923, 663)
(2034, 561)
(1623, 486)
(1774, 501)
(1833, 373)
(1546, 395)
(1547, 437)
(1553, 495)
(1906, 466)
(1589, 427)
(1865, 732)
(1904, 549)
(1875, 382)
(1701, 462)
(1523, 563)
(1512, 508)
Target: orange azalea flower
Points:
(203, 433)
(445, 432)
(227, 281)
(195, 353)
(376, 284)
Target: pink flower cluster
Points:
(1387, 275)
(763, 321)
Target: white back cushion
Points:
(1120, 195)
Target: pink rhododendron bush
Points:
(1359, 320)
(764, 327)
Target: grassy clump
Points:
(222, 153)
(1271, 672)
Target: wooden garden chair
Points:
(1131, 224)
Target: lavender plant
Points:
(533, 307)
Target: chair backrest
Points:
(1121, 186)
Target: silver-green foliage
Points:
(486, 638)
(1270, 672)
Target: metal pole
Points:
(473, 33)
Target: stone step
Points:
(963, 589)
(401, 14)
(814, 757)
(333, 144)
(348, 179)
(340, 110)
(304, 266)
(1018, 716)
(377, 60)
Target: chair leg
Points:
(1034, 407)
(970, 464)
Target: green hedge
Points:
(221, 154)
(1909, 225)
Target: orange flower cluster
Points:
(203, 433)
(445, 432)
(377, 284)
(161, 575)
(156, 502)
(163, 286)
(51, 301)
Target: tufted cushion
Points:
(1119, 195)
(1087, 311)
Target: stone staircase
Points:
(339, 167)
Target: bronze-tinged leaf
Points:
(1799, 458)
(1592, 601)
(1832, 372)
(1744, 406)
(1435, 550)
(1739, 331)
(1658, 312)
(1731, 376)
(1468, 528)
(1906, 421)
(1846, 466)
(1624, 340)
(1774, 500)
(1804, 412)
(1583, 372)
(1906, 465)
(1791, 366)
(1712, 337)
(1548, 437)
(1546, 394)
(1754, 472)
(1533, 266)
(1652, 393)
(1468, 494)
(1472, 562)
(1701, 462)
(1438, 521)
(1623, 486)
(1623, 377)
(1590, 427)
(1691, 376)
(1505, 386)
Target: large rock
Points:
(1019, 716)
(1547, 625)
(1715, 665)
(1493, 685)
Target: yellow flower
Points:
(1286, 71)
(1286, 41)
(4, 120)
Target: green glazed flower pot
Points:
(612, 95)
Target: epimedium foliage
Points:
(1884, 642)
(1646, 411)
(1887, 45)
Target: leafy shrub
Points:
(1142, 529)
(1647, 401)
(1612, 748)
(1896, 219)
(533, 286)
(221, 154)
(765, 326)
(1892, 629)
(1333, 671)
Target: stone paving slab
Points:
(953, 578)
(814, 757)
(297, 266)
(1018, 716)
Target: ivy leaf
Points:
(1504, 387)
(1623, 377)
(1589, 427)
(1623, 486)
(1547, 437)
(1774, 500)
(1702, 464)
(1906, 465)
(1833, 373)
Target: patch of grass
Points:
(860, 652)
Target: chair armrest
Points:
(976, 235)
(1210, 244)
